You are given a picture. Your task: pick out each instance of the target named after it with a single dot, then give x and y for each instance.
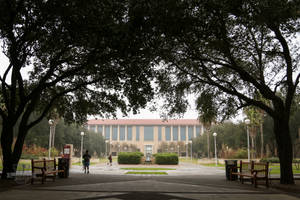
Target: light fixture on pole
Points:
(247, 122)
(82, 134)
(178, 150)
(191, 149)
(216, 157)
(51, 122)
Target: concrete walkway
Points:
(186, 182)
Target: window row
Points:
(178, 132)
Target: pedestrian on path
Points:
(86, 162)
(110, 160)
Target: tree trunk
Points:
(6, 144)
(11, 154)
(208, 147)
(261, 140)
(285, 149)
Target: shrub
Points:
(166, 159)
(270, 160)
(240, 154)
(130, 157)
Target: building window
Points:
(93, 128)
(129, 133)
(137, 137)
(122, 133)
(99, 129)
(175, 133)
(107, 132)
(159, 133)
(198, 131)
(115, 133)
(168, 133)
(191, 132)
(148, 133)
(182, 133)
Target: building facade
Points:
(147, 135)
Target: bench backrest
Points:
(246, 166)
(46, 164)
(262, 166)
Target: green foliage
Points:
(270, 160)
(66, 134)
(129, 157)
(241, 154)
(230, 135)
(166, 159)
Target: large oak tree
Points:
(82, 58)
(232, 50)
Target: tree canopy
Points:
(232, 51)
(83, 57)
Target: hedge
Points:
(270, 160)
(166, 159)
(130, 157)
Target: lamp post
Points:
(247, 122)
(186, 155)
(82, 134)
(216, 157)
(191, 149)
(106, 141)
(178, 150)
(51, 122)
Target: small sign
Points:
(66, 151)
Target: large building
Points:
(147, 135)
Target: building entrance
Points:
(148, 152)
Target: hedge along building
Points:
(147, 135)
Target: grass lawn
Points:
(188, 160)
(213, 165)
(156, 173)
(25, 163)
(78, 163)
(146, 168)
(276, 169)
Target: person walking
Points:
(86, 162)
(110, 160)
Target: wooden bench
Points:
(253, 171)
(44, 169)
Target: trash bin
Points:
(63, 163)
(228, 165)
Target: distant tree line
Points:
(232, 139)
(65, 134)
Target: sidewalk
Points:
(188, 181)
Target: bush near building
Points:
(130, 157)
(166, 159)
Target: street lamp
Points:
(186, 154)
(216, 157)
(82, 134)
(106, 141)
(247, 122)
(51, 122)
(178, 150)
(191, 149)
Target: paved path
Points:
(105, 182)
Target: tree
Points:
(208, 113)
(232, 49)
(83, 57)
